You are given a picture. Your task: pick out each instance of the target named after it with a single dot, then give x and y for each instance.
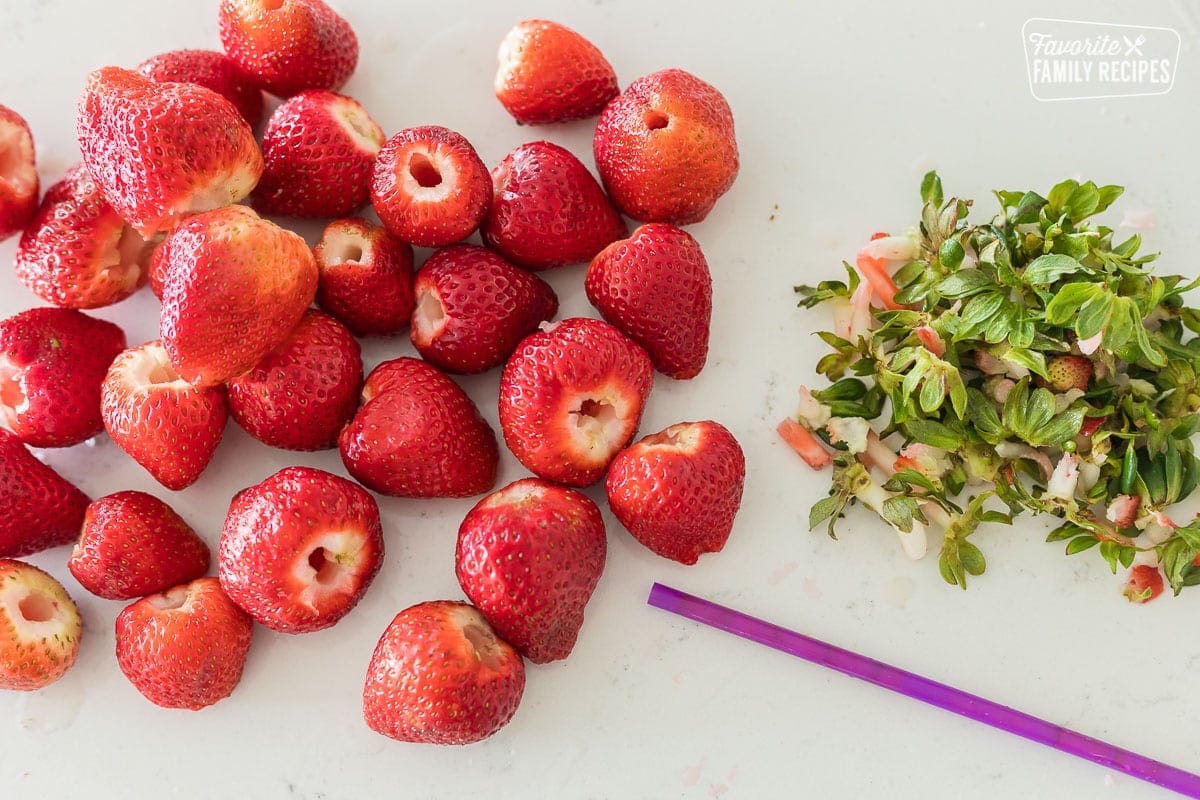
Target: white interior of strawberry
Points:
(127, 260)
(361, 128)
(38, 609)
(427, 176)
(429, 318)
(600, 422)
(683, 436)
(149, 366)
(13, 400)
(344, 245)
(171, 599)
(479, 636)
(329, 568)
(17, 158)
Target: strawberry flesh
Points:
(365, 277)
(40, 628)
(18, 173)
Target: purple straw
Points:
(924, 689)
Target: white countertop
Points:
(840, 108)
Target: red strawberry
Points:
(529, 557)
(134, 544)
(419, 435)
(40, 628)
(571, 396)
(473, 308)
(164, 423)
(211, 70)
(366, 277)
(162, 151)
(234, 286)
(440, 675)
(302, 393)
(665, 148)
(41, 508)
(1064, 373)
(77, 251)
(18, 173)
(1145, 583)
(547, 210)
(655, 286)
(299, 549)
(678, 490)
(289, 45)
(52, 361)
(185, 647)
(319, 148)
(549, 73)
(429, 186)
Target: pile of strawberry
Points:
(168, 153)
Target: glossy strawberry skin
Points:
(366, 277)
(529, 557)
(52, 361)
(303, 392)
(419, 435)
(212, 70)
(549, 73)
(186, 647)
(41, 508)
(40, 628)
(665, 148)
(473, 308)
(19, 184)
(134, 544)
(678, 491)
(547, 210)
(656, 288)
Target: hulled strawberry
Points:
(571, 397)
(18, 173)
(52, 361)
(234, 286)
(212, 70)
(419, 435)
(169, 426)
(473, 308)
(655, 286)
(77, 252)
(529, 557)
(304, 391)
(40, 628)
(547, 210)
(665, 148)
(42, 509)
(185, 647)
(299, 549)
(429, 186)
(549, 73)
(677, 491)
(163, 151)
(366, 277)
(1067, 372)
(289, 45)
(440, 675)
(134, 544)
(318, 151)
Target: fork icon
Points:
(1134, 47)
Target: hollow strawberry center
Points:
(483, 642)
(36, 607)
(676, 437)
(656, 120)
(423, 171)
(346, 246)
(429, 317)
(329, 570)
(148, 366)
(595, 417)
(171, 599)
(326, 570)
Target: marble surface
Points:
(840, 108)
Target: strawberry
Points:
(134, 544)
(549, 73)
(655, 286)
(529, 557)
(41, 508)
(52, 361)
(318, 151)
(234, 287)
(665, 148)
(40, 628)
(429, 186)
(678, 490)
(299, 549)
(439, 674)
(77, 251)
(19, 183)
(164, 423)
(366, 277)
(547, 210)
(289, 45)
(211, 70)
(303, 392)
(1064, 373)
(185, 647)
(473, 307)
(1145, 583)
(419, 435)
(571, 396)
(162, 151)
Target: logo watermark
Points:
(1076, 60)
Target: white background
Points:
(840, 108)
